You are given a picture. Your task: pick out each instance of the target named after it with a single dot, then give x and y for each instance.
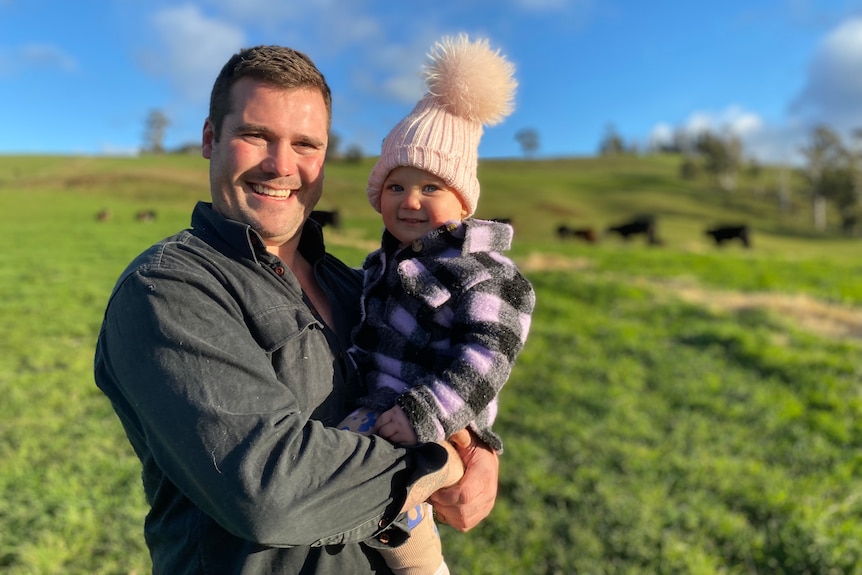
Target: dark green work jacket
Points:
(229, 389)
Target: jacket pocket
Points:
(275, 327)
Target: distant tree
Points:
(353, 154)
(689, 169)
(831, 176)
(528, 138)
(612, 143)
(191, 148)
(856, 136)
(682, 142)
(154, 132)
(754, 168)
(722, 157)
(783, 190)
(332, 149)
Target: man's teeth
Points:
(266, 191)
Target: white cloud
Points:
(194, 49)
(398, 69)
(733, 120)
(39, 56)
(340, 23)
(766, 142)
(250, 10)
(833, 89)
(662, 133)
(831, 95)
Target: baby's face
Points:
(414, 202)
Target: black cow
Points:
(146, 216)
(586, 234)
(642, 225)
(728, 233)
(325, 218)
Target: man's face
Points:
(266, 170)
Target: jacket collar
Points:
(469, 236)
(247, 242)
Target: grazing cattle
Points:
(727, 233)
(642, 225)
(586, 234)
(146, 216)
(325, 218)
(104, 215)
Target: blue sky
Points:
(81, 77)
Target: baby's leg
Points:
(361, 421)
(422, 553)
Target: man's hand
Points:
(447, 476)
(465, 504)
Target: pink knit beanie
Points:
(469, 86)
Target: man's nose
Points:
(280, 159)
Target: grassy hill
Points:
(538, 195)
(679, 408)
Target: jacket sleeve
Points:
(213, 399)
(490, 326)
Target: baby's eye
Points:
(430, 188)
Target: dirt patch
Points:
(545, 262)
(810, 314)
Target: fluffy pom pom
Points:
(471, 80)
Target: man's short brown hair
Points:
(277, 65)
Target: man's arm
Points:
(210, 411)
(446, 477)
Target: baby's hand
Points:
(394, 426)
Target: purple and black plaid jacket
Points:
(442, 322)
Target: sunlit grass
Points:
(678, 408)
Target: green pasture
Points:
(678, 409)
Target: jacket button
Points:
(416, 245)
(279, 270)
(383, 538)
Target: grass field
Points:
(678, 408)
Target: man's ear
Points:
(207, 139)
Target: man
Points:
(222, 353)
